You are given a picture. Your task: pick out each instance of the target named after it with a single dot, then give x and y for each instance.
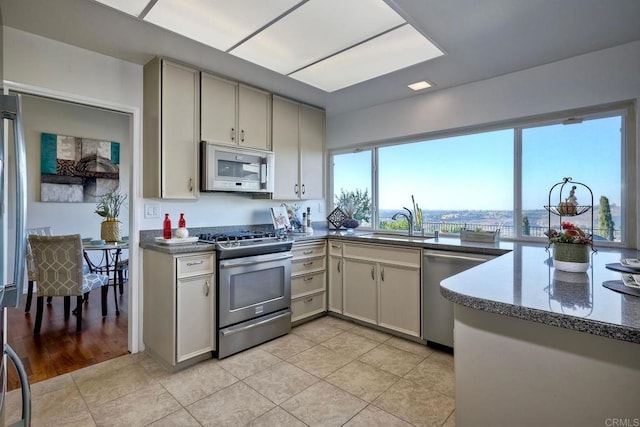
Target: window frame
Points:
(625, 110)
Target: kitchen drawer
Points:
(195, 265)
(305, 285)
(308, 306)
(308, 250)
(387, 254)
(335, 248)
(307, 265)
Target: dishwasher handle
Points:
(464, 258)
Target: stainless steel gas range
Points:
(253, 286)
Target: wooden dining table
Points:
(107, 265)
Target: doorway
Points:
(58, 349)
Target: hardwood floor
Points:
(58, 349)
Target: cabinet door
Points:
(399, 298)
(360, 290)
(254, 118)
(180, 131)
(336, 268)
(285, 147)
(195, 317)
(218, 110)
(311, 153)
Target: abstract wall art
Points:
(74, 169)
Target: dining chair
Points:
(31, 265)
(59, 266)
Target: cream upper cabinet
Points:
(298, 143)
(381, 285)
(171, 130)
(234, 114)
(218, 110)
(254, 118)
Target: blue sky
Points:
(475, 171)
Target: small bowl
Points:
(97, 242)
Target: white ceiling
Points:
(482, 39)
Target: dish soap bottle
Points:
(182, 232)
(166, 227)
(309, 228)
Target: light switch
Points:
(152, 210)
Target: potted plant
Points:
(570, 248)
(108, 207)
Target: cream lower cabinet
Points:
(308, 280)
(335, 276)
(179, 307)
(381, 285)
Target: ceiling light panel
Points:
(217, 23)
(392, 51)
(315, 30)
(419, 85)
(132, 7)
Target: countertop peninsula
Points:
(524, 284)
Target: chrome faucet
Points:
(408, 216)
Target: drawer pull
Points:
(189, 264)
(308, 279)
(373, 277)
(336, 246)
(307, 252)
(308, 300)
(307, 264)
(382, 274)
(339, 262)
(206, 292)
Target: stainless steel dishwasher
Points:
(437, 318)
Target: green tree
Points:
(606, 225)
(356, 204)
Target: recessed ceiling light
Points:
(419, 85)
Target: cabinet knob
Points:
(382, 274)
(339, 262)
(190, 184)
(206, 290)
(373, 276)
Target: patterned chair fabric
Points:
(31, 263)
(59, 272)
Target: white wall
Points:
(597, 78)
(61, 118)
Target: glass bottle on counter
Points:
(304, 222)
(309, 229)
(166, 227)
(182, 232)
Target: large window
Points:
(496, 179)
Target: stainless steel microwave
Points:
(226, 168)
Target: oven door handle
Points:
(254, 325)
(258, 259)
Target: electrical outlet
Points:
(151, 210)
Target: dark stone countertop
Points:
(524, 284)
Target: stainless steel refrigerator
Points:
(12, 226)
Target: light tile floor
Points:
(328, 372)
